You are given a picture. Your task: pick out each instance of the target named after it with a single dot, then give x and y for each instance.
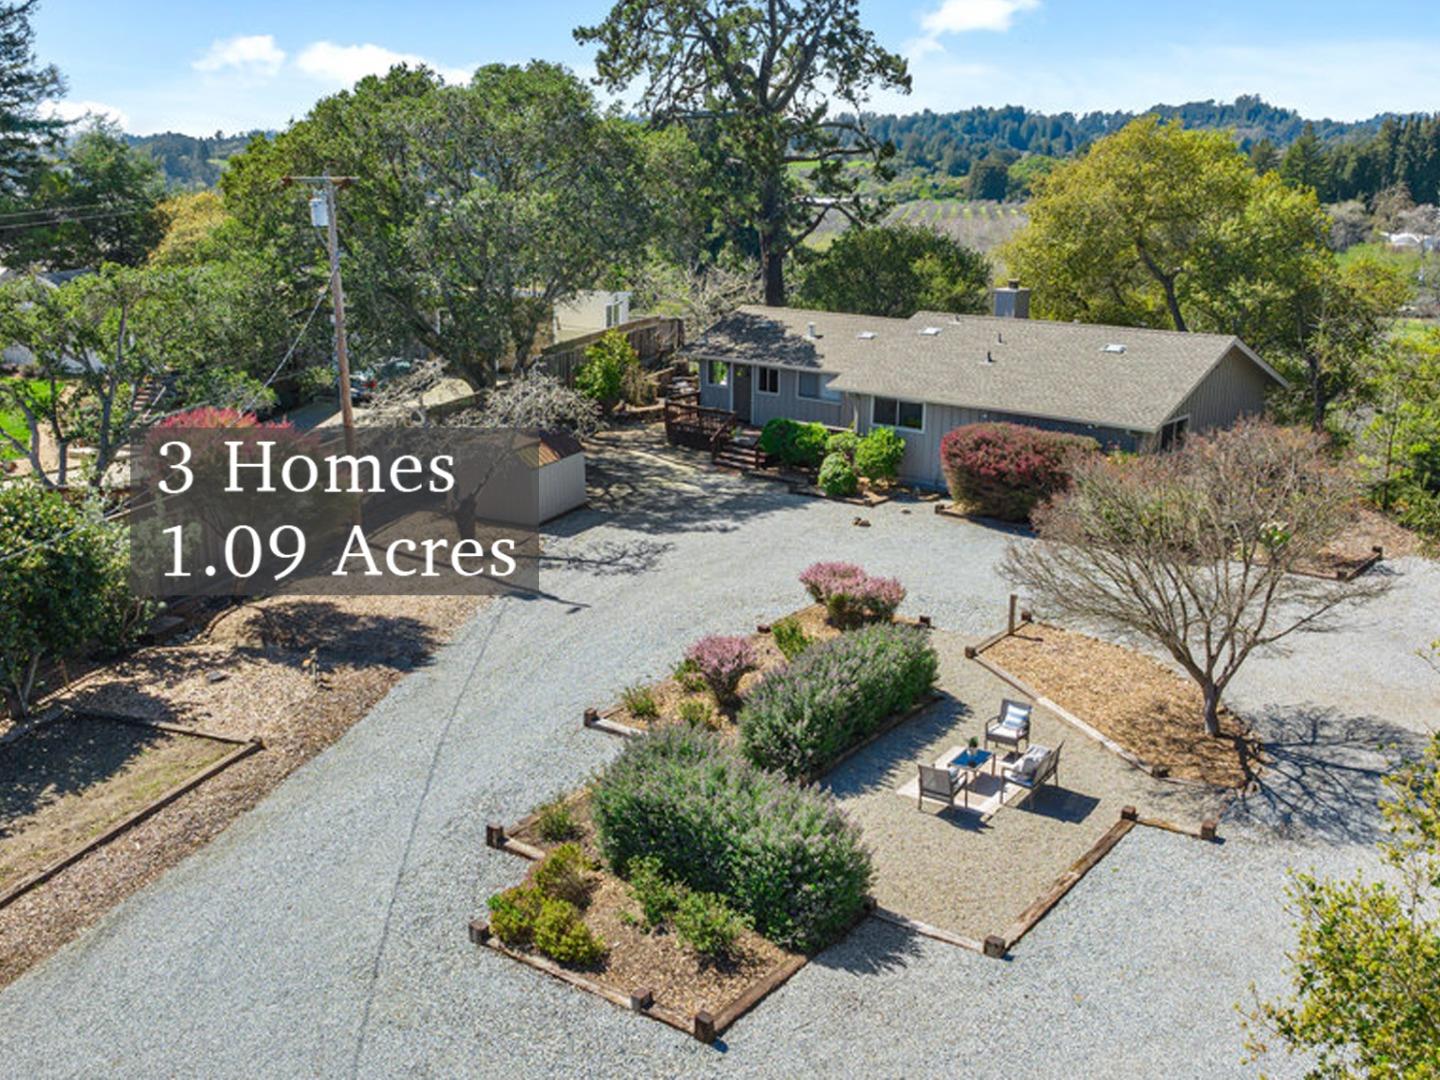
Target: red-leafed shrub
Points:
(1005, 470)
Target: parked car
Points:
(365, 382)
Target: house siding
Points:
(788, 404)
(1235, 388)
(921, 463)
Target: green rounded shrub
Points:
(708, 925)
(783, 855)
(555, 822)
(562, 935)
(842, 442)
(790, 637)
(564, 874)
(800, 718)
(837, 477)
(513, 914)
(798, 445)
(878, 455)
(656, 894)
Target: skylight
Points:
(1114, 347)
(930, 331)
(865, 335)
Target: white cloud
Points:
(81, 110)
(1348, 80)
(344, 65)
(963, 16)
(253, 55)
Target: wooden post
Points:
(1129, 813)
(642, 998)
(995, 946)
(925, 621)
(1014, 608)
(704, 1027)
(479, 931)
(1208, 828)
(591, 715)
(495, 836)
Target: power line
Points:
(74, 218)
(42, 210)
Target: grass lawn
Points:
(12, 421)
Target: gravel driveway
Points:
(324, 933)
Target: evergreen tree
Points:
(24, 133)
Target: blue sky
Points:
(237, 66)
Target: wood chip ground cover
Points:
(65, 782)
(657, 959)
(1134, 699)
(295, 671)
(669, 695)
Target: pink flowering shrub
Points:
(850, 595)
(721, 661)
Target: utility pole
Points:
(331, 184)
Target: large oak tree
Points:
(754, 82)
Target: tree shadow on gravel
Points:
(872, 948)
(647, 492)
(1324, 776)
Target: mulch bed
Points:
(1352, 551)
(1132, 698)
(67, 781)
(295, 672)
(669, 694)
(681, 981)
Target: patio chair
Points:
(1039, 764)
(938, 784)
(1011, 727)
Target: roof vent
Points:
(930, 331)
(1114, 347)
(810, 330)
(865, 335)
(989, 357)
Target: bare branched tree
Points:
(1197, 550)
(527, 402)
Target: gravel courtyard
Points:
(951, 869)
(323, 934)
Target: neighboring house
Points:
(597, 309)
(929, 374)
(1423, 242)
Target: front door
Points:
(743, 375)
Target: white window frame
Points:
(710, 373)
(897, 426)
(760, 375)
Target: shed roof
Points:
(1113, 376)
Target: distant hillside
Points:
(949, 143)
(189, 161)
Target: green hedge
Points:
(783, 855)
(802, 717)
(798, 445)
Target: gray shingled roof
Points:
(1057, 370)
